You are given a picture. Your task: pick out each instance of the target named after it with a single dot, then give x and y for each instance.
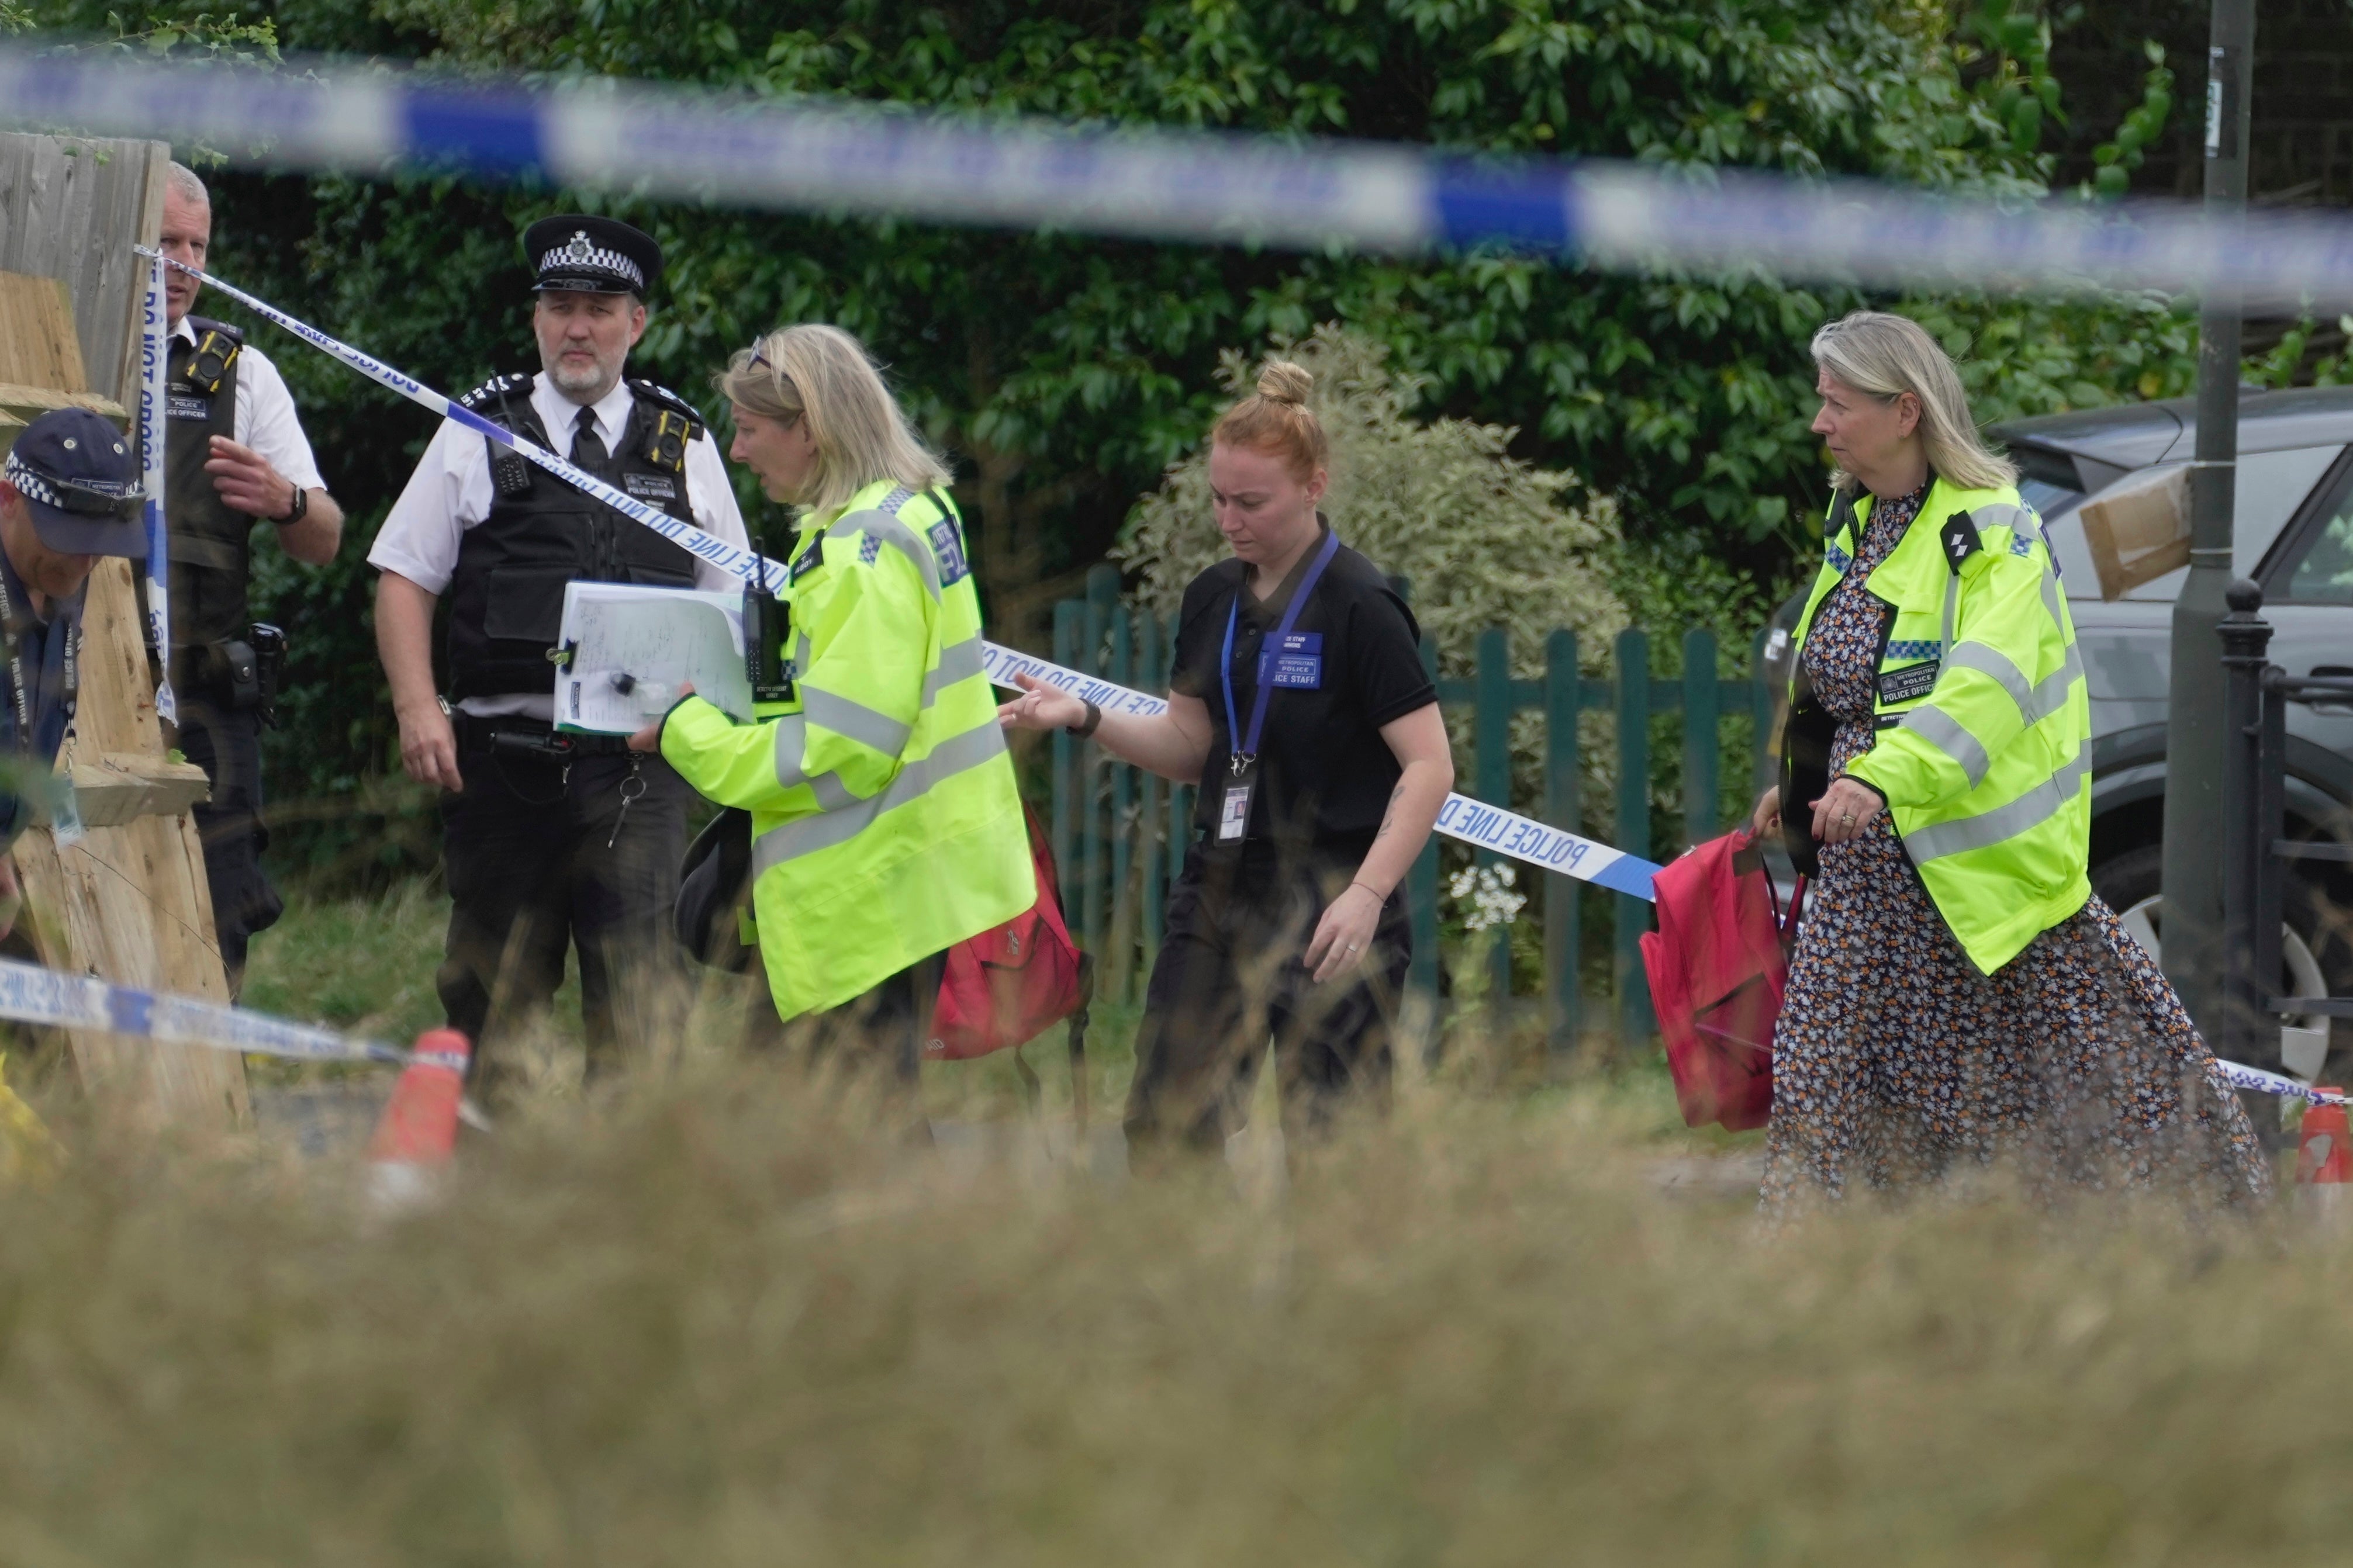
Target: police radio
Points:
(767, 621)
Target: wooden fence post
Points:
(1564, 687)
(1700, 734)
(1632, 915)
(1122, 826)
(1064, 821)
(1421, 896)
(1152, 676)
(1493, 748)
(1102, 597)
(128, 901)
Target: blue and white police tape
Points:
(31, 994)
(738, 562)
(153, 422)
(808, 155)
(1473, 822)
(2263, 1082)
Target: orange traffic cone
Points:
(2324, 1159)
(419, 1128)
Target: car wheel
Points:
(2309, 940)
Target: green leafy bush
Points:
(1483, 539)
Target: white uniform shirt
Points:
(451, 491)
(265, 418)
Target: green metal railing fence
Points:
(1120, 833)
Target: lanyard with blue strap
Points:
(1241, 781)
(65, 814)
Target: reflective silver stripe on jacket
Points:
(2035, 702)
(1948, 735)
(808, 835)
(2028, 811)
(792, 741)
(958, 661)
(861, 723)
(882, 525)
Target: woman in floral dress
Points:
(1959, 998)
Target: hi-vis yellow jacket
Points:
(886, 824)
(1983, 723)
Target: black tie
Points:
(587, 446)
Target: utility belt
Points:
(518, 736)
(241, 675)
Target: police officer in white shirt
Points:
(234, 454)
(548, 841)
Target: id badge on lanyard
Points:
(1282, 656)
(64, 808)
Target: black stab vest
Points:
(506, 596)
(211, 545)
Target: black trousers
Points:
(228, 746)
(1229, 979)
(541, 860)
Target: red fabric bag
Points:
(1719, 965)
(1004, 987)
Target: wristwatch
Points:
(1086, 727)
(300, 508)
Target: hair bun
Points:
(1284, 382)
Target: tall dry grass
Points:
(713, 1323)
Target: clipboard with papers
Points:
(626, 652)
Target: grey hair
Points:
(182, 182)
(824, 375)
(1885, 356)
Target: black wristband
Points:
(299, 510)
(1087, 726)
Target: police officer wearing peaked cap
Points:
(69, 494)
(550, 841)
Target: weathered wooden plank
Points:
(123, 786)
(70, 208)
(29, 402)
(39, 348)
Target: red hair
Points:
(1276, 420)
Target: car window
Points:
(2323, 572)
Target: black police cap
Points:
(583, 254)
(80, 480)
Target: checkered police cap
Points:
(86, 497)
(580, 253)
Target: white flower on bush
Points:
(1488, 889)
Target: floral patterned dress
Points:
(1897, 1062)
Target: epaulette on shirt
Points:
(496, 389)
(510, 474)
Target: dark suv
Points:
(2293, 535)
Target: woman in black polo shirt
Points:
(1299, 706)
